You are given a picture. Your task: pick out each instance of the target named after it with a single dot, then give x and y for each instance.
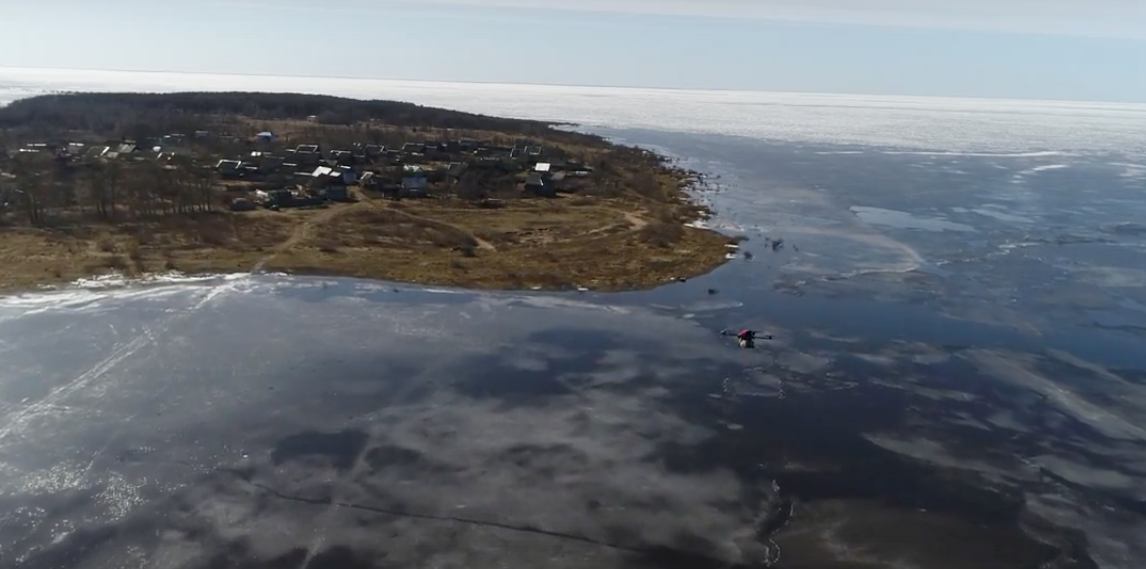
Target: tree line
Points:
(148, 114)
(41, 189)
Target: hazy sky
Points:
(1056, 49)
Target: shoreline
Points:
(58, 262)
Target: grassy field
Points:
(600, 243)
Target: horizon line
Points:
(574, 85)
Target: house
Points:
(543, 167)
(34, 148)
(540, 185)
(280, 198)
(322, 174)
(346, 176)
(265, 137)
(414, 182)
(228, 168)
(415, 186)
(248, 170)
(305, 155)
(288, 198)
(496, 152)
(456, 169)
(344, 157)
(326, 176)
(436, 151)
(413, 148)
(367, 180)
(242, 204)
(268, 163)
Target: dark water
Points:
(958, 380)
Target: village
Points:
(269, 171)
(308, 174)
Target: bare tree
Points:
(33, 182)
(470, 187)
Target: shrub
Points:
(662, 234)
(116, 263)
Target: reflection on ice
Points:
(905, 220)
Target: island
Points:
(141, 184)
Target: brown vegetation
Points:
(65, 216)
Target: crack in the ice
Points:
(686, 558)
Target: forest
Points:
(149, 114)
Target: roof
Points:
(543, 167)
(322, 171)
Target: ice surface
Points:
(945, 126)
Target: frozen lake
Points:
(957, 289)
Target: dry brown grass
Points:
(627, 235)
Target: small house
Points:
(327, 176)
(456, 169)
(265, 137)
(367, 180)
(228, 168)
(280, 198)
(436, 151)
(414, 182)
(242, 204)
